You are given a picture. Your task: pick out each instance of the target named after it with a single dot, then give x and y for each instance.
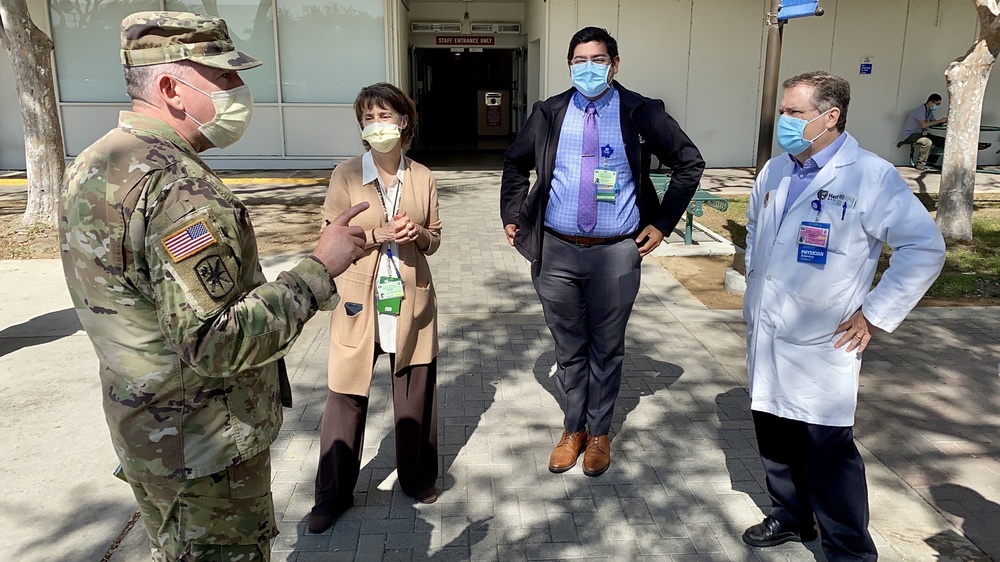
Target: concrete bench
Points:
(696, 207)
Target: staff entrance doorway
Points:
(468, 102)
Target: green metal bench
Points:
(696, 207)
(695, 210)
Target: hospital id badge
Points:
(606, 183)
(389, 306)
(389, 288)
(814, 238)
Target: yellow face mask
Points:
(233, 109)
(381, 136)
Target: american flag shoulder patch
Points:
(189, 240)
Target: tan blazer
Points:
(352, 338)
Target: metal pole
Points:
(772, 64)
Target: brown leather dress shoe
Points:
(597, 457)
(567, 450)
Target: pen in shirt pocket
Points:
(843, 212)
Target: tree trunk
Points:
(966, 88)
(30, 55)
(967, 78)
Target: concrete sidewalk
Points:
(685, 478)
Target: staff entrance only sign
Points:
(465, 40)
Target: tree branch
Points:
(990, 5)
(989, 24)
(3, 29)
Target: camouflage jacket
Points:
(161, 262)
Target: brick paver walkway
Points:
(685, 479)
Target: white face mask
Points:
(233, 109)
(382, 137)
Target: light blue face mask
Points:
(790, 131)
(590, 78)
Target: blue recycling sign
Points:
(798, 9)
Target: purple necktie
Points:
(586, 210)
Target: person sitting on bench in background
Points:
(915, 130)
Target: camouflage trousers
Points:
(224, 517)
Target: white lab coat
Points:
(793, 309)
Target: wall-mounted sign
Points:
(799, 9)
(465, 40)
(494, 115)
(867, 63)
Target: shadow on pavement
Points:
(975, 515)
(746, 472)
(469, 374)
(42, 329)
(86, 531)
(927, 401)
(951, 547)
(641, 377)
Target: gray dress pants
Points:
(587, 294)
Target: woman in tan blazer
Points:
(403, 228)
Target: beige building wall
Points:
(705, 58)
(479, 11)
(401, 35)
(911, 42)
(536, 31)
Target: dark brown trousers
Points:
(342, 433)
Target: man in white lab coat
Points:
(818, 217)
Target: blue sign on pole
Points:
(799, 9)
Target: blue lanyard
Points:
(388, 253)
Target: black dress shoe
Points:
(430, 495)
(770, 532)
(319, 523)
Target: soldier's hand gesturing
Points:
(340, 244)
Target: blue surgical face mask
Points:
(590, 78)
(937, 105)
(790, 131)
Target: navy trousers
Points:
(817, 471)
(587, 293)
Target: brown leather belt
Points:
(586, 240)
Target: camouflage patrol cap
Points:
(160, 37)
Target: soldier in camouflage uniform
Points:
(162, 265)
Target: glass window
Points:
(251, 27)
(87, 37)
(330, 49)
